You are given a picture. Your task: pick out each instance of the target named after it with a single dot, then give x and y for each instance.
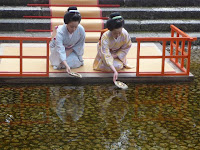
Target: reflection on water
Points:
(68, 117)
(113, 110)
(70, 105)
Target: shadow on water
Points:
(145, 116)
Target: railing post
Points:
(182, 53)
(177, 46)
(171, 46)
(138, 59)
(163, 58)
(21, 60)
(189, 54)
(47, 63)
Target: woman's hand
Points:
(114, 55)
(68, 52)
(115, 76)
(68, 69)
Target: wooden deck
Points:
(39, 65)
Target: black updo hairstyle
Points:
(72, 14)
(115, 21)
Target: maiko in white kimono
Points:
(64, 41)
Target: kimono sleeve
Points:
(105, 51)
(79, 46)
(60, 47)
(122, 52)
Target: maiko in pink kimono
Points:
(113, 47)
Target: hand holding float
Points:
(75, 74)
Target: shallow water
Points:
(62, 117)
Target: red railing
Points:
(178, 43)
(21, 56)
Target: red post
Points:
(182, 53)
(138, 59)
(47, 59)
(163, 58)
(189, 54)
(21, 55)
(171, 43)
(177, 46)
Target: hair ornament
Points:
(74, 11)
(117, 17)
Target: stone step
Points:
(44, 24)
(23, 24)
(25, 2)
(88, 37)
(161, 25)
(131, 13)
(155, 12)
(130, 25)
(22, 2)
(20, 11)
(127, 3)
(152, 3)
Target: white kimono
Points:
(64, 41)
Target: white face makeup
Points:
(72, 26)
(116, 32)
